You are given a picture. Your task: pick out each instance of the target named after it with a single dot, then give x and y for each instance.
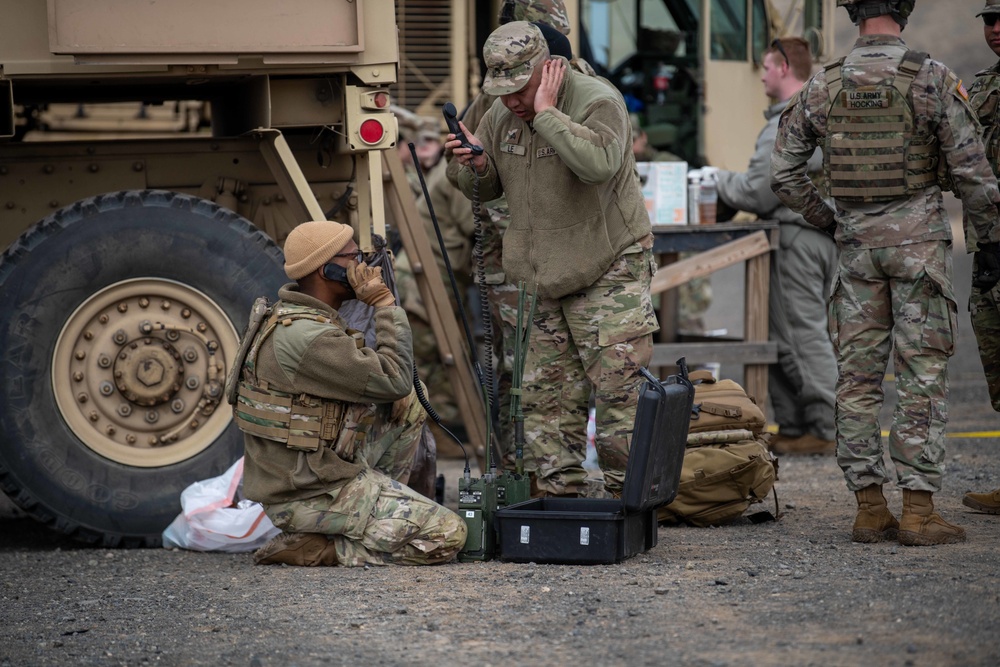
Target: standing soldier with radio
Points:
(501, 293)
(886, 116)
(985, 300)
(558, 144)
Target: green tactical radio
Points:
(478, 501)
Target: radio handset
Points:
(451, 118)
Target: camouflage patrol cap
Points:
(992, 7)
(550, 12)
(511, 53)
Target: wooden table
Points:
(718, 246)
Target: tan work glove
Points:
(368, 285)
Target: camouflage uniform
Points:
(893, 288)
(579, 231)
(503, 295)
(552, 12)
(351, 488)
(984, 96)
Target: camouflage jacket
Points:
(940, 109)
(750, 190)
(571, 184)
(323, 360)
(984, 96)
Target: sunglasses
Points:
(989, 20)
(357, 255)
(776, 44)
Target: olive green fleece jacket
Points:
(571, 184)
(323, 360)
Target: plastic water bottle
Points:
(708, 199)
(694, 196)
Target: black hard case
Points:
(593, 531)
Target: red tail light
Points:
(371, 131)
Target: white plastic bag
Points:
(209, 521)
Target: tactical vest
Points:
(300, 421)
(985, 102)
(871, 152)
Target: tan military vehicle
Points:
(130, 263)
(691, 68)
(133, 245)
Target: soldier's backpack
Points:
(727, 465)
(723, 405)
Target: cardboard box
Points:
(664, 186)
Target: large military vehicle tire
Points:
(120, 317)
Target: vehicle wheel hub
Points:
(149, 372)
(138, 371)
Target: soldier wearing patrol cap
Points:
(887, 119)
(558, 144)
(984, 303)
(330, 425)
(551, 18)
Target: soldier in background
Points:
(985, 300)
(802, 382)
(455, 221)
(893, 289)
(558, 144)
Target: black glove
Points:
(987, 272)
(831, 231)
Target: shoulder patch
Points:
(962, 92)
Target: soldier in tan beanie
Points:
(330, 425)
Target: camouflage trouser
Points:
(502, 297)
(594, 340)
(375, 518)
(395, 438)
(503, 304)
(897, 300)
(985, 309)
(693, 298)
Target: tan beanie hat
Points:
(313, 244)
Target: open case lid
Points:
(658, 442)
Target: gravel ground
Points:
(794, 592)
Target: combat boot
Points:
(306, 549)
(802, 444)
(984, 502)
(874, 521)
(920, 525)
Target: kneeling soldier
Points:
(330, 426)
